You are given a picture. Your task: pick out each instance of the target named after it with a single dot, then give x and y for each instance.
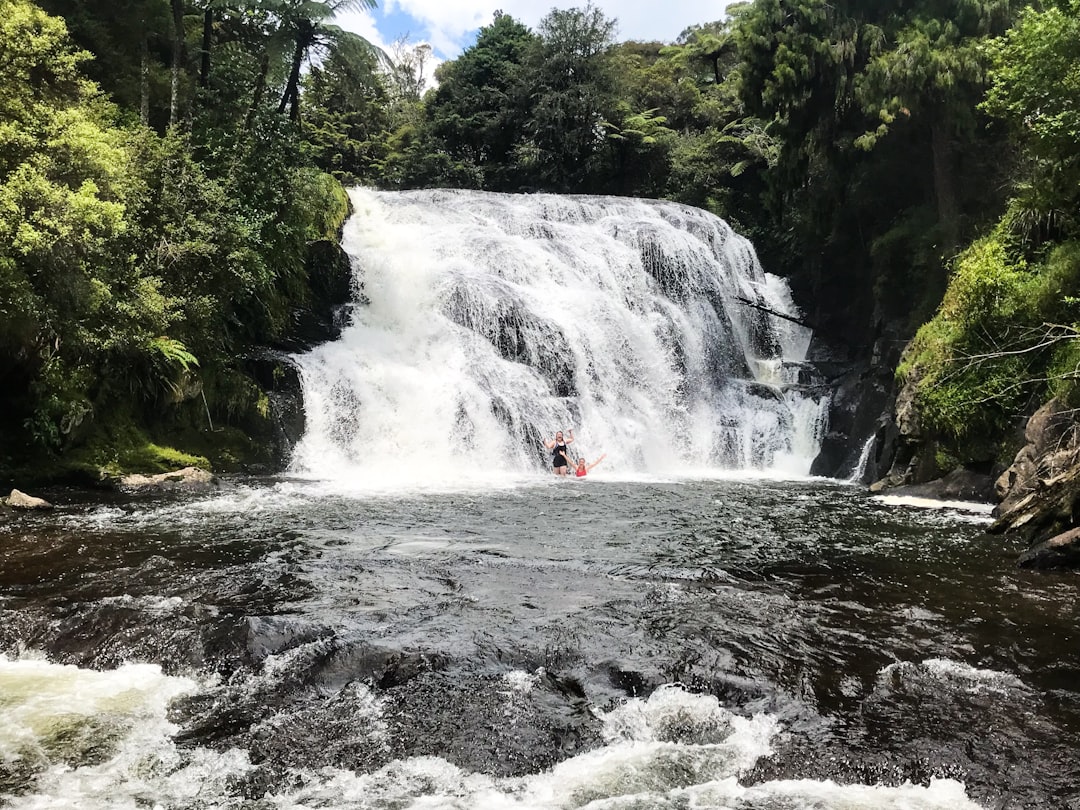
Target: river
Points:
(608, 643)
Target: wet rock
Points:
(1040, 491)
(334, 286)
(1060, 551)
(961, 484)
(403, 667)
(188, 479)
(860, 408)
(20, 500)
(1053, 508)
(505, 726)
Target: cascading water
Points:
(492, 320)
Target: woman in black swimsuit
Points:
(558, 452)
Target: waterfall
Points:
(859, 470)
(488, 321)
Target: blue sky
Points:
(449, 26)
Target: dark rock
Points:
(277, 374)
(335, 287)
(860, 410)
(1060, 551)
(960, 485)
(1052, 508)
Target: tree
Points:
(1035, 87)
(573, 93)
(130, 42)
(347, 120)
(934, 75)
(481, 105)
(70, 295)
(306, 23)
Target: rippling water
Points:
(547, 644)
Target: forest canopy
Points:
(169, 171)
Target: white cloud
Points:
(365, 24)
(449, 25)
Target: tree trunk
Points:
(177, 59)
(945, 187)
(144, 81)
(305, 37)
(207, 41)
(292, 88)
(260, 89)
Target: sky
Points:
(450, 26)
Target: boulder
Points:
(959, 485)
(188, 479)
(20, 500)
(1060, 551)
(1051, 428)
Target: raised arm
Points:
(570, 436)
(550, 445)
(569, 460)
(589, 467)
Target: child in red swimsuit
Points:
(582, 468)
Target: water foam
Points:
(673, 749)
(495, 320)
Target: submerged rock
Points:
(1060, 551)
(20, 500)
(189, 479)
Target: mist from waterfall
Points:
(487, 322)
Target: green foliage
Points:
(1036, 90)
(989, 350)
(136, 268)
(346, 126)
(121, 447)
(573, 92)
(1036, 79)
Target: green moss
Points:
(121, 447)
(229, 449)
(326, 202)
(969, 364)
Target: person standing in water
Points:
(582, 468)
(558, 447)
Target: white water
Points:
(54, 715)
(859, 470)
(495, 320)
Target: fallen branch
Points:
(770, 311)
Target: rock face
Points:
(914, 453)
(189, 479)
(860, 411)
(1053, 439)
(1040, 491)
(20, 500)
